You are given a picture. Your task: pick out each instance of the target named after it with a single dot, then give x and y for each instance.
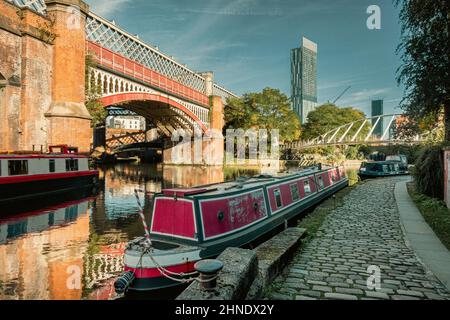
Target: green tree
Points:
(425, 52)
(428, 172)
(269, 109)
(328, 117)
(93, 94)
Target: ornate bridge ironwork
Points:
(125, 139)
(359, 132)
(35, 5)
(119, 112)
(127, 65)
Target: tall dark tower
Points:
(377, 110)
(304, 79)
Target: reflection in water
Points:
(73, 250)
(36, 249)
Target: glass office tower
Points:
(377, 110)
(304, 78)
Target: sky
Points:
(246, 43)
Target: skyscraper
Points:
(377, 110)
(304, 78)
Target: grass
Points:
(313, 221)
(435, 213)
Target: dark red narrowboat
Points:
(36, 175)
(189, 225)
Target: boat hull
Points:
(14, 191)
(367, 175)
(151, 279)
(152, 284)
(148, 279)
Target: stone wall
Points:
(36, 92)
(69, 119)
(26, 66)
(33, 85)
(212, 147)
(247, 274)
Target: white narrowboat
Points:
(37, 175)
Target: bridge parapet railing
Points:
(111, 37)
(361, 131)
(172, 75)
(115, 62)
(114, 38)
(223, 93)
(35, 5)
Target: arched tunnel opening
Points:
(139, 130)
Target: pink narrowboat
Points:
(189, 225)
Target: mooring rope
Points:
(164, 272)
(141, 213)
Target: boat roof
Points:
(41, 156)
(382, 162)
(240, 184)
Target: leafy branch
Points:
(93, 95)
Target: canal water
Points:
(71, 246)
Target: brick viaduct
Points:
(42, 78)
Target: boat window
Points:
(307, 187)
(71, 164)
(17, 167)
(277, 194)
(294, 192)
(373, 167)
(51, 165)
(320, 181)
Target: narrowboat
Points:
(188, 225)
(402, 161)
(31, 176)
(378, 169)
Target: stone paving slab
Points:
(365, 231)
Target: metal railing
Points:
(363, 133)
(112, 37)
(35, 5)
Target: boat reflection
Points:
(39, 221)
(37, 248)
(70, 247)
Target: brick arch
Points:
(144, 96)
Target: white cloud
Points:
(107, 7)
(362, 97)
(369, 93)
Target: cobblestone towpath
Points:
(365, 231)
